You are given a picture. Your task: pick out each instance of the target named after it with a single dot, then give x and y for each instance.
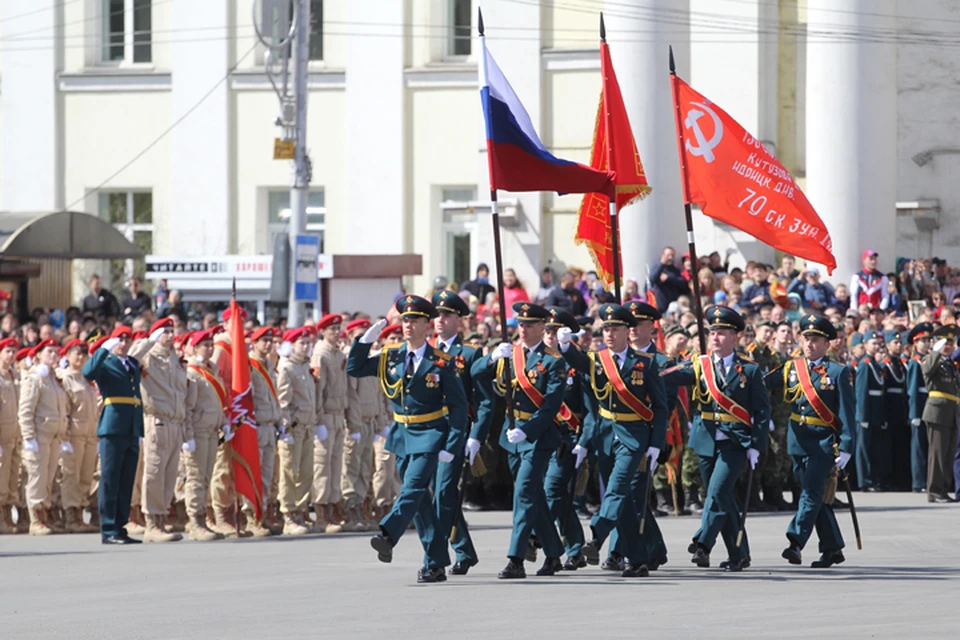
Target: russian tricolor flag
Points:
(518, 160)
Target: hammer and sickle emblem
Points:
(704, 147)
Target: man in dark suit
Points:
(120, 429)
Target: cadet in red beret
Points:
(9, 438)
(78, 457)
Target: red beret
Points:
(140, 335)
(228, 313)
(309, 329)
(162, 323)
(122, 331)
(329, 319)
(389, 329)
(262, 332)
(68, 346)
(292, 335)
(182, 338)
(23, 353)
(43, 344)
(359, 323)
(9, 342)
(200, 336)
(96, 344)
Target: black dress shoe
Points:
(471, 506)
(744, 563)
(656, 563)
(942, 500)
(383, 546)
(692, 548)
(733, 566)
(792, 554)
(550, 567)
(613, 562)
(828, 559)
(513, 571)
(591, 551)
(575, 562)
(531, 554)
(635, 571)
(701, 558)
(918, 490)
(119, 540)
(660, 513)
(462, 566)
(839, 504)
(871, 489)
(437, 574)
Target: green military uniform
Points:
(917, 394)
(873, 443)
(940, 416)
(774, 466)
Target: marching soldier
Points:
(164, 387)
(629, 395)
(940, 413)
(676, 347)
(297, 394)
(266, 407)
(10, 440)
(873, 445)
(80, 460)
(822, 418)
(386, 477)
(776, 461)
(920, 337)
(730, 429)
(538, 376)
(429, 402)
(43, 411)
(329, 364)
(364, 413)
(896, 409)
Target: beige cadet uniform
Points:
(43, 411)
(330, 364)
(266, 408)
(80, 465)
(386, 478)
(221, 483)
(364, 412)
(164, 390)
(296, 389)
(205, 416)
(10, 442)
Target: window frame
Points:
(129, 36)
(130, 228)
(277, 228)
(450, 45)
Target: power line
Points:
(15, 36)
(55, 6)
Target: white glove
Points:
(228, 433)
(564, 335)
(916, 422)
(31, 445)
(356, 437)
(371, 334)
(580, 333)
(581, 453)
(473, 446)
(753, 455)
(285, 349)
(939, 344)
(516, 435)
(63, 363)
(66, 447)
(864, 425)
(156, 334)
(42, 370)
(772, 426)
(445, 456)
(502, 350)
(382, 434)
(652, 454)
(285, 436)
(842, 460)
(110, 344)
(189, 446)
(321, 432)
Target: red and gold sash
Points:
(612, 372)
(520, 370)
(724, 402)
(806, 385)
(218, 387)
(257, 366)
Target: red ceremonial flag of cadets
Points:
(244, 446)
(734, 179)
(594, 226)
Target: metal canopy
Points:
(63, 234)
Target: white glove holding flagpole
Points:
(502, 350)
(473, 446)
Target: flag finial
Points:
(480, 20)
(603, 29)
(673, 66)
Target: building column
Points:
(852, 128)
(639, 48)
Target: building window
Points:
(127, 31)
(459, 221)
(131, 213)
(316, 29)
(278, 214)
(459, 23)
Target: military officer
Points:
(856, 350)
(450, 309)
(730, 428)
(80, 462)
(429, 402)
(10, 460)
(920, 337)
(940, 413)
(896, 409)
(822, 418)
(873, 445)
(328, 363)
(117, 376)
(630, 398)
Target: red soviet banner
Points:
(734, 179)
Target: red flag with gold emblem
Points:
(244, 447)
(594, 227)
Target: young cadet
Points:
(429, 403)
(79, 463)
(920, 337)
(873, 445)
(821, 395)
(10, 461)
(730, 427)
(630, 397)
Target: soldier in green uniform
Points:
(822, 419)
(896, 409)
(538, 376)
(430, 423)
(629, 398)
(873, 444)
(940, 413)
(760, 352)
(920, 337)
(677, 342)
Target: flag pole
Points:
(495, 217)
(236, 495)
(691, 244)
(614, 222)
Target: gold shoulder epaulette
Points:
(440, 353)
(552, 352)
(393, 346)
(645, 354)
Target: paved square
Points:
(905, 583)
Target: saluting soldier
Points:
(630, 398)
(538, 377)
(266, 407)
(329, 363)
(940, 413)
(730, 428)
(386, 477)
(80, 462)
(920, 337)
(429, 402)
(822, 419)
(873, 445)
(9, 436)
(364, 416)
(896, 409)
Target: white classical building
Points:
(157, 116)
